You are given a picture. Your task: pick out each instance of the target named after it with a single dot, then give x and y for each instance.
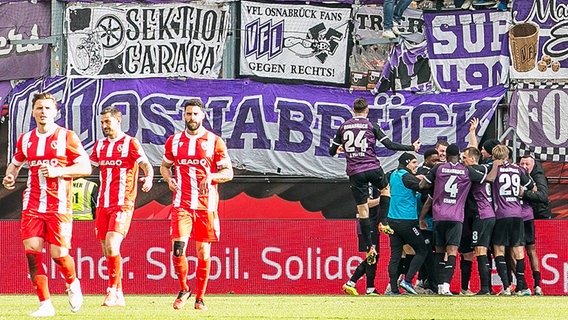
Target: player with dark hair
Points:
(451, 183)
(357, 138)
(480, 205)
(201, 162)
(403, 219)
(55, 156)
(118, 157)
(507, 190)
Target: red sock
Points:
(180, 267)
(202, 276)
(114, 270)
(66, 266)
(37, 274)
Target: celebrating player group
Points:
(475, 202)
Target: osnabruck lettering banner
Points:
(140, 41)
(294, 42)
(268, 128)
(468, 50)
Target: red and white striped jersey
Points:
(59, 148)
(193, 157)
(118, 161)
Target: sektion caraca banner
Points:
(140, 41)
(268, 128)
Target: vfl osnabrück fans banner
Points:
(540, 118)
(468, 50)
(139, 41)
(268, 128)
(24, 21)
(538, 39)
(294, 42)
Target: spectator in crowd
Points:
(392, 17)
(201, 162)
(55, 156)
(118, 157)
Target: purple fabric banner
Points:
(467, 49)
(23, 21)
(540, 117)
(5, 88)
(539, 49)
(269, 128)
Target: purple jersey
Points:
(526, 211)
(451, 186)
(506, 190)
(481, 193)
(359, 140)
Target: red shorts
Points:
(115, 219)
(201, 225)
(54, 228)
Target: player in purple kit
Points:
(357, 138)
(480, 204)
(451, 182)
(507, 190)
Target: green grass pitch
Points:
(159, 307)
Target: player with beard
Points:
(201, 162)
(118, 157)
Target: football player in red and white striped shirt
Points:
(118, 157)
(55, 156)
(200, 161)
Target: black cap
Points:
(490, 144)
(405, 158)
(453, 150)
